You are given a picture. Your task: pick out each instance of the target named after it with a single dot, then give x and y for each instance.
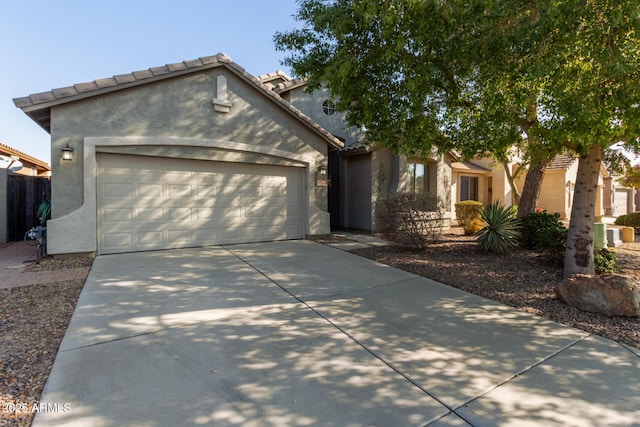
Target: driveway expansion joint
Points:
(342, 331)
(520, 373)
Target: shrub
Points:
(466, 212)
(605, 261)
(629, 220)
(414, 220)
(501, 231)
(542, 230)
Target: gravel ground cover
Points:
(33, 320)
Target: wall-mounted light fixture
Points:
(321, 176)
(67, 153)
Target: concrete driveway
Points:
(295, 333)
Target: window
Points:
(417, 178)
(468, 188)
(328, 107)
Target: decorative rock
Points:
(611, 295)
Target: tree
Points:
(480, 76)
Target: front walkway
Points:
(18, 255)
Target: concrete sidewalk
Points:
(16, 256)
(296, 333)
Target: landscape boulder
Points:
(611, 295)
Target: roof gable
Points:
(38, 106)
(25, 158)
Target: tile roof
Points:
(360, 147)
(561, 162)
(10, 151)
(38, 106)
(469, 167)
(274, 78)
(290, 85)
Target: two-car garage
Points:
(183, 155)
(150, 203)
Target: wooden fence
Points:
(23, 197)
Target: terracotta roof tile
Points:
(176, 66)
(209, 60)
(124, 78)
(38, 98)
(22, 102)
(24, 156)
(193, 63)
(107, 82)
(561, 162)
(142, 74)
(86, 87)
(158, 71)
(64, 92)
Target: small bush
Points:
(542, 230)
(605, 261)
(629, 220)
(414, 220)
(466, 212)
(473, 226)
(501, 231)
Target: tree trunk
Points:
(578, 258)
(532, 186)
(511, 179)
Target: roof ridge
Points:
(273, 75)
(25, 156)
(117, 79)
(38, 106)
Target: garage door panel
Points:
(147, 203)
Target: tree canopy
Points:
(475, 75)
(478, 76)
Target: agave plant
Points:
(501, 231)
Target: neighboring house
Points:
(24, 182)
(188, 154)
(618, 199)
(31, 166)
(362, 170)
(485, 180)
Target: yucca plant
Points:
(501, 231)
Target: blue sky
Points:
(50, 44)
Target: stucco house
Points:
(187, 154)
(361, 170)
(28, 165)
(556, 193)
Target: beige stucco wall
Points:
(558, 187)
(555, 194)
(311, 105)
(176, 118)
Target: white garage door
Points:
(621, 198)
(149, 203)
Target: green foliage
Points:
(479, 76)
(468, 215)
(414, 220)
(629, 220)
(605, 261)
(501, 231)
(542, 230)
